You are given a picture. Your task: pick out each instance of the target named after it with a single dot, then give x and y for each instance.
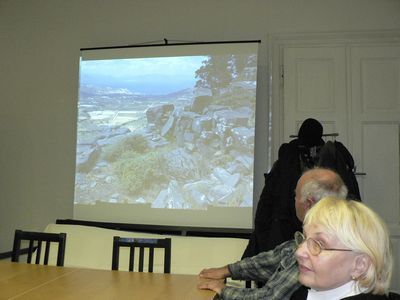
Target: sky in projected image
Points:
(167, 132)
(159, 75)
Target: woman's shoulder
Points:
(302, 291)
(391, 296)
(301, 294)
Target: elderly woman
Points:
(344, 253)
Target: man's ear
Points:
(361, 265)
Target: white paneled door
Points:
(353, 90)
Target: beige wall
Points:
(39, 53)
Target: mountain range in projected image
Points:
(186, 145)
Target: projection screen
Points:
(165, 135)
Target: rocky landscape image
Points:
(187, 149)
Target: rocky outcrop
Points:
(212, 158)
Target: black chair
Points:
(35, 244)
(142, 243)
(257, 284)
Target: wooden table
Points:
(26, 281)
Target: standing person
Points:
(345, 253)
(278, 266)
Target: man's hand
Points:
(214, 285)
(215, 273)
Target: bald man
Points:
(277, 267)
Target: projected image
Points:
(167, 132)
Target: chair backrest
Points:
(140, 243)
(35, 244)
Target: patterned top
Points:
(278, 267)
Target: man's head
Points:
(314, 185)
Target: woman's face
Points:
(329, 269)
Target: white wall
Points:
(39, 52)
(91, 247)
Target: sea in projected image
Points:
(171, 132)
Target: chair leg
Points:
(131, 258)
(141, 259)
(151, 259)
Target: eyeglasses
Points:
(315, 247)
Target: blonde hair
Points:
(360, 229)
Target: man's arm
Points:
(279, 287)
(215, 273)
(214, 285)
(213, 279)
(278, 266)
(262, 266)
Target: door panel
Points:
(314, 87)
(380, 160)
